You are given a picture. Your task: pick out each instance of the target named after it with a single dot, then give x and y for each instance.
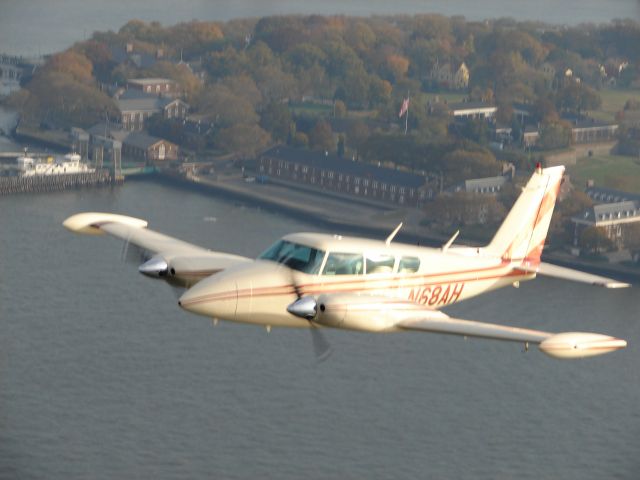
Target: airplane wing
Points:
(174, 259)
(556, 271)
(558, 345)
(377, 313)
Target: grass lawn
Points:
(609, 171)
(613, 100)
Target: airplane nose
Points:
(212, 298)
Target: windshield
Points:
(293, 255)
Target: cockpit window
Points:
(343, 264)
(379, 263)
(293, 255)
(408, 265)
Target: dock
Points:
(54, 183)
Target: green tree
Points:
(595, 240)
(321, 137)
(460, 164)
(577, 97)
(244, 86)
(554, 135)
(242, 139)
(276, 119)
(224, 108)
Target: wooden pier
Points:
(55, 183)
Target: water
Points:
(43, 26)
(102, 375)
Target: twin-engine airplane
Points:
(314, 280)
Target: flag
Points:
(405, 107)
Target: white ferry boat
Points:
(70, 163)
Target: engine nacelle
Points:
(362, 313)
(580, 344)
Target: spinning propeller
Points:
(307, 308)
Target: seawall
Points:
(53, 183)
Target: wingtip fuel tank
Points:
(580, 344)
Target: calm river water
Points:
(102, 376)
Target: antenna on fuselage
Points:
(446, 246)
(393, 234)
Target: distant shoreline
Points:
(301, 212)
(24, 33)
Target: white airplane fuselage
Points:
(259, 292)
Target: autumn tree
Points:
(321, 137)
(554, 135)
(276, 119)
(245, 140)
(224, 107)
(577, 97)
(244, 86)
(595, 240)
(461, 164)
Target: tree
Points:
(306, 55)
(339, 109)
(274, 84)
(225, 108)
(554, 135)
(340, 147)
(321, 137)
(73, 64)
(244, 86)
(357, 134)
(595, 240)
(225, 63)
(461, 164)
(276, 119)
(397, 66)
(169, 129)
(632, 237)
(577, 97)
(242, 139)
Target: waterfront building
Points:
(330, 172)
(140, 146)
(613, 212)
(109, 144)
(136, 106)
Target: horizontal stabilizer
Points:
(550, 270)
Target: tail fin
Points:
(522, 234)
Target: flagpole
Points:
(406, 116)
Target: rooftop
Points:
(342, 165)
(610, 213)
(472, 106)
(149, 81)
(609, 195)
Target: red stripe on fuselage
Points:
(355, 286)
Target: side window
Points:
(409, 265)
(343, 264)
(379, 263)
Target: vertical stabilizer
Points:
(522, 234)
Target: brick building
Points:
(331, 172)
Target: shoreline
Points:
(301, 210)
(412, 234)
